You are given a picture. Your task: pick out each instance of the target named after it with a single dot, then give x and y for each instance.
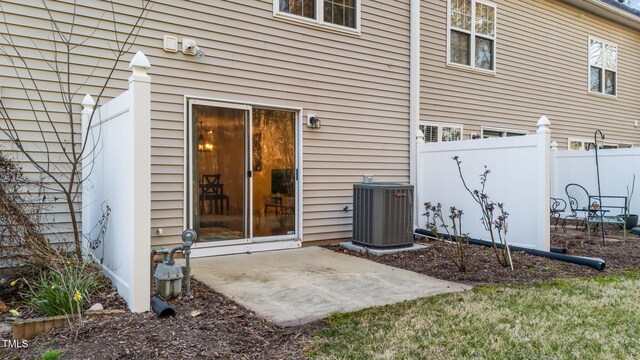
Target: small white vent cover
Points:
(170, 43)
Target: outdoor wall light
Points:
(313, 121)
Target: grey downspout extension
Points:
(593, 263)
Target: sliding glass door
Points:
(243, 173)
(274, 172)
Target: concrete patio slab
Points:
(379, 252)
(293, 287)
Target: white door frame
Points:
(249, 244)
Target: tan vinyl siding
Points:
(357, 84)
(542, 69)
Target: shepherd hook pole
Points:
(595, 142)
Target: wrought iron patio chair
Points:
(578, 204)
(596, 209)
(558, 207)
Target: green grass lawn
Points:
(569, 319)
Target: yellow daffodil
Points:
(14, 312)
(77, 297)
(14, 282)
(68, 262)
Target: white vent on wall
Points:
(170, 43)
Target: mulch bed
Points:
(484, 268)
(224, 329)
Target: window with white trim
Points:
(441, 132)
(608, 146)
(603, 67)
(341, 13)
(585, 144)
(579, 144)
(472, 34)
(487, 133)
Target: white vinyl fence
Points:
(117, 173)
(617, 168)
(519, 178)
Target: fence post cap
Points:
(420, 136)
(87, 102)
(543, 124)
(544, 121)
(139, 62)
(554, 145)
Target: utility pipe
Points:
(594, 263)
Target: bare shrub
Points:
(64, 159)
(21, 205)
(435, 221)
(494, 216)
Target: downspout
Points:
(414, 102)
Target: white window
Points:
(441, 132)
(472, 34)
(611, 145)
(487, 133)
(337, 14)
(603, 67)
(579, 144)
(587, 144)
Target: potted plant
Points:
(632, 219)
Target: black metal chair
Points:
(558, 207)
(213, 191)
(596, 209)
(578, 204)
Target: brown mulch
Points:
(224, 329)
(484, 268)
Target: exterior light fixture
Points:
(313, 121)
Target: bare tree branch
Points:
(78, 155)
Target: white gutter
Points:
(414, 100)
(607, 11)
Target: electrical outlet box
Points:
(170, 43)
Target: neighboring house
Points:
(231, 153)
(491, 68)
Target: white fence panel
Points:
(617, 168)
(117, 175)
(519, 178)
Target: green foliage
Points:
(51, 355)
(62, 290)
